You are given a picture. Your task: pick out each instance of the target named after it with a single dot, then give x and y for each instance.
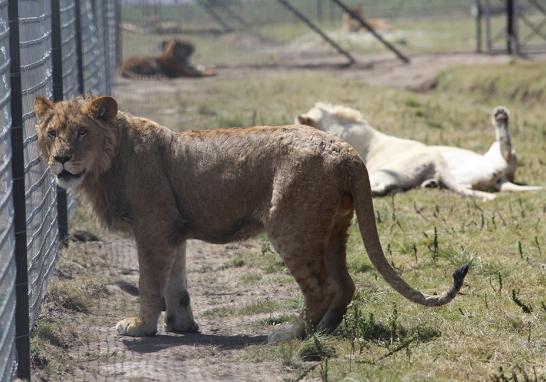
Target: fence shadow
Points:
(162, 342)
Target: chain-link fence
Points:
(512, 26)
(7, 242)
(57, 50)
(267, 32)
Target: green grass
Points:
(266, 261)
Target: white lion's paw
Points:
(134, 327)
(297, 330)
(488, 196)
(500, 114)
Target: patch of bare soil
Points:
(213, 354)
(418, 74)
(421, 72)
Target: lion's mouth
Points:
(68, 175)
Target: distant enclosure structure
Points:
(523, 31)
(57, 49)
(275, 32)
(254, 33)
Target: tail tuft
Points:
(500, 114)
(459, 275)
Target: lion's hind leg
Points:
(336, 264)
(315, 256)
(509, 186)
(317, 287)
(179, 316)
(385, 181)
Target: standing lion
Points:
(295, 183)
(173, 62)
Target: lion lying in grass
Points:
(173, 62)
(297, 184)
(397, 164)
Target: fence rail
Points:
(57, 49)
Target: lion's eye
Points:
(82, 132)
(51, 133)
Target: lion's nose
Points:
(62, 158)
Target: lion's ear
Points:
(42, 106)
(303, 120)
(103, 108)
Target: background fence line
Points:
(42, 44)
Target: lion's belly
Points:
(472, 169)
(228, 232)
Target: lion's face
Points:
(74, 138)
(331, 118)
(178, 49)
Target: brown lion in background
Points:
(173, 62)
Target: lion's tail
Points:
(362, 199)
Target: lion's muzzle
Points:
(69, 173)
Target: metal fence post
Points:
(478, 16)
(22, 321)
(79, 47)
(119, 37)
(105, 41)
(511, 35)
(57, 76)
(488, 37)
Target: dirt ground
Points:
(210, 355)
(220, 351)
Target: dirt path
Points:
(211, 355)
(384, 69)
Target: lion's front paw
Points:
(135, 327)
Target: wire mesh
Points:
(7, 242)
(94, 61)
(68, 47)
(35, 70)
(111, 40)
(40, 195)
(265, 33)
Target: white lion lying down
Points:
(397, 164)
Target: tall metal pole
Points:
(22, 321)
(511, 34)
(79, 47)
(119, 37)
(488, 38)
(57, 77)
(478, 16)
